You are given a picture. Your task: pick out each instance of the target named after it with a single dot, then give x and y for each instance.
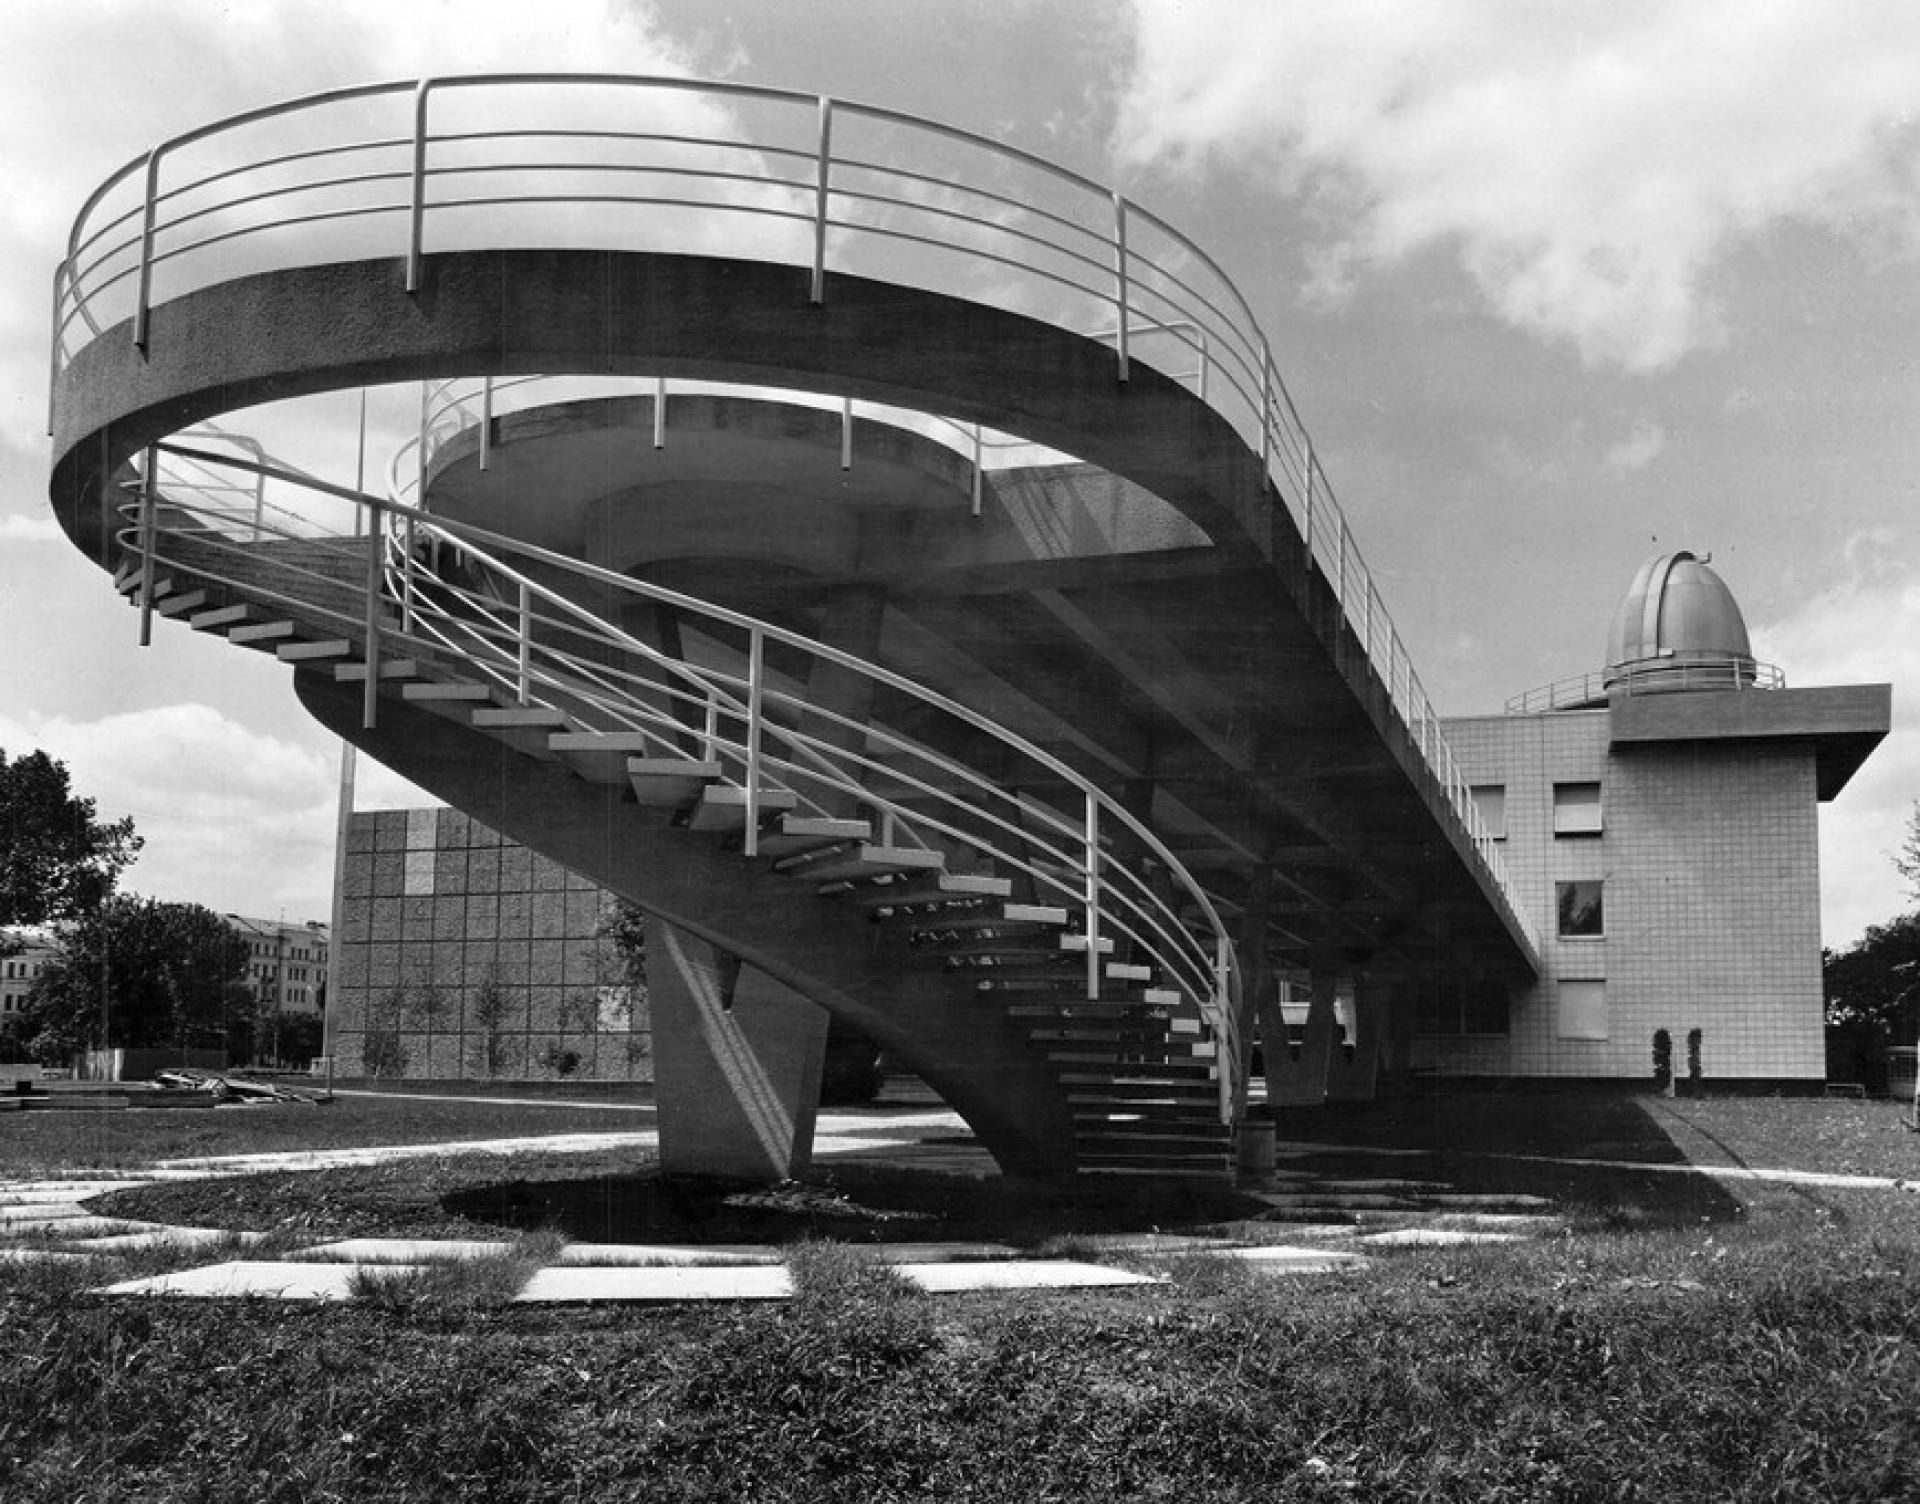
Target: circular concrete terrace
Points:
(891, 259)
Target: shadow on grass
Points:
(1582, 1151)
(859, 1204)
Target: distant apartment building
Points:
(286, 963)
(17, 971)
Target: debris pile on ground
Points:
(236, 1089)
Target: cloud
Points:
(1587, 164)
(232, 819)
(15, 529)
(1861, 627)
(1640, 448)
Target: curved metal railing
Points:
(1590, 691)
(485, 607)
(419, 166)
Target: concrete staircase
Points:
(1130, 1054)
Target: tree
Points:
(137, 973)
(1907, 859)
(57, 862)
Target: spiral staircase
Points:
(1027, 905)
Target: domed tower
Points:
(1678, 628)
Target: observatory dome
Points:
(1678, 627)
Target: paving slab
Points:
(566, 1284)
(85, 1225)
(39, 1213)
(1437, 1237)
(1284, 1257)
(240, 1278)
(167, 1237)
(39, 1192)
(41, 1256)
(399, 1251)
(1021, 1274)
(661, 1256)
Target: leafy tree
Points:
(136, 972)
(1876, 981)
(1907, 858)
(57, 862)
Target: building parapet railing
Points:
(413, 167)
(1591, 691)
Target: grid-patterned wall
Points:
(1707, 863)
(465, 956)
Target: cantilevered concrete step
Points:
(326, 649)
(399, 670)
(858, 860)
(949, 892)
(267, 635)
(722, 807)
(669, 782)
(603, 756)
(456, 699)
(792, 833)
(525, 728)
(180, 603)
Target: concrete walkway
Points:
(1321, 1226)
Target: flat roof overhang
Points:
(1842, 723)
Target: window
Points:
(1580, 1010)
(1576, 809)
(1490, 803)
(1579, 909)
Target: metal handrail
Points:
(506, 626)
(1656, 676)
(1090, 243)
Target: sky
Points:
(1554, 287)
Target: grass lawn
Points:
(78, 1141)
(1726, 1340)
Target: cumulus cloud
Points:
(1861, 627)
(1640, 448)
(1586, 163)
(16, 529)
(232, 819)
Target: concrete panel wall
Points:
(463, 956)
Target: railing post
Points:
(143, 298)
(149, 483)
(420, 454)
(416, 234)
(376, 540)
(979, 479)
(524, 669)
(818, 293)
(1306, 506)
(406, 581)
(1266, 415)
(710, 730)
(1120, 275)
(1091, 896)
(756, 669)
(846, 433)
(486, 422)
(660, 412)
(1226, 1034)
(360, 464)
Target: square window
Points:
(1490, 803)
(1580, 1010)
(1576, 809)
(1579, 908)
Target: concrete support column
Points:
(1396, 1059)
(737, 1060)
(851, 622)
(1303, 1082)
(1355, 1076)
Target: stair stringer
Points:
(958, 1039)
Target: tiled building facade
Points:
(1675, 887)
(465, 957)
